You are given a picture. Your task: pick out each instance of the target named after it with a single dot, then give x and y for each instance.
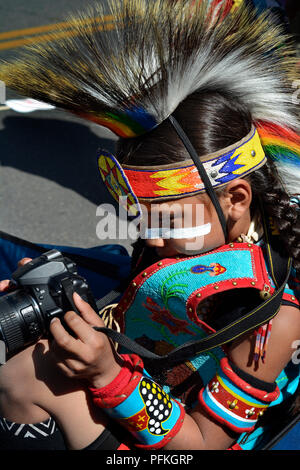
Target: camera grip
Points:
(82, 290)
(69, 290)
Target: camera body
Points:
(44, 290)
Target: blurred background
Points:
(49, 183)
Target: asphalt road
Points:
(49, 183)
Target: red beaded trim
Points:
(253, 391)
(122, 386)
(259, 281)
(291, 298)
(244, 411)
(235, 446)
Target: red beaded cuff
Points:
(140, 405)
(233, 402)
(122, 386)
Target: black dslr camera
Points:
(44, 290)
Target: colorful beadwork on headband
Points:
(117, 183)
(180, 179)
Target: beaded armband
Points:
(140, 405)
(233, 402)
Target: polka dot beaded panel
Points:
(158, 405)
(149, 413)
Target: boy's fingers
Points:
(24, 261)
(62, 338)
(4, 285)
(81, 328)
(87, 312)
(7, 286)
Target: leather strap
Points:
(199, 165)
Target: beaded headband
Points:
(181, 179)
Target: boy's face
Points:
(185, 226)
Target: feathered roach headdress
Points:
(128, 65)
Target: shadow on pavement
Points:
(58, 150)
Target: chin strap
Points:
(202, 172)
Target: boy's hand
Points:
(90, 354)
(6, 285)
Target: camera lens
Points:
(21, 322)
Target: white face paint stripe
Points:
(184, 232)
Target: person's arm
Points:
(91, 357)
(205, 432)
(32, 388)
